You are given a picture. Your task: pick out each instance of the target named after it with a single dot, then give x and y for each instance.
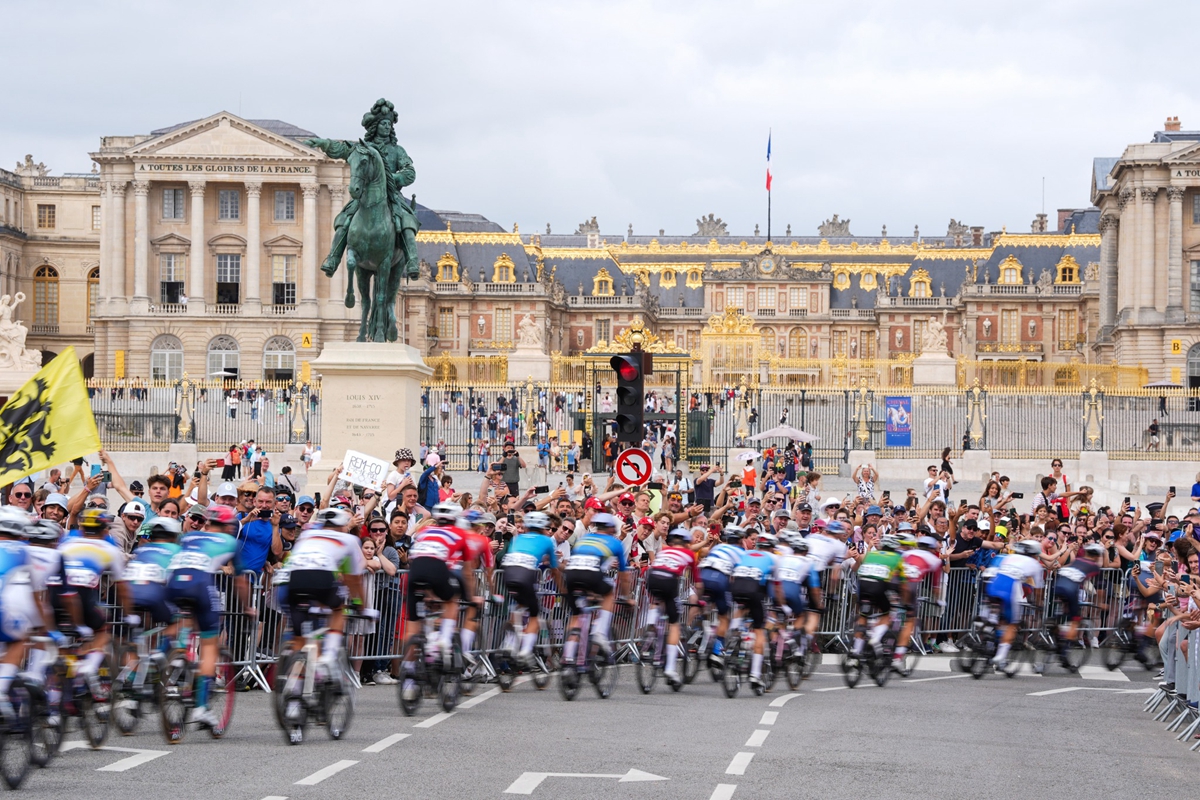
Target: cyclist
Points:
(919, 563)
(45, 565)
(1069, 585)
(880, 573)
(826, 548)
(192, 584)
(749, 587)
(434, 551)
(596, 552)
(527, 554)
(477, 553)
(86, 558)
(324, 566)
(796, 578)
(18, 611)
(662, 581)
(715, 571)
(1013, 571)
(146, 573)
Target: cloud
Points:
(650, 113)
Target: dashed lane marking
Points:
(780, 702)
(769, 717)
(724, 791)
(756, 739)
(327, 772)
(938, 678)
(490, 693)
(435, 719)
(138, 758)
(1048, 692)
(385, 743)
(739, 764)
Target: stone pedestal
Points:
(527, 363)
(13, 379)
(934, 369)
(370, 402)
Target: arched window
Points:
(503, 270)
(1011, 272)
(1067, 270)
(447, 269)
(797, 343)
(694, 278)
(93, 292)
(279, 359)
(224, 357)
(666, 279)
(767, 342)
(166, 358)
(45, 296)
(919, 284)
(602, 284)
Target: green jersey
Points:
(882, 565)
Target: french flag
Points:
(768, 161)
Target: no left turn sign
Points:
(633, 467)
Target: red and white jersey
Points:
(919, 563)
(677, 561)
(444, 544)
(476, 546)
(326, 550)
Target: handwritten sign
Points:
(364, 470)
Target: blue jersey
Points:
(14, 559)
(531, 550)
(598, 551)
(797, 569)
(84, 560)
(150, 562)
(204, 551)
(723, 558)
(756, 564)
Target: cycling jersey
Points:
(18, 612)
(884, 566)
(1068, 585)
(722, 558)
(192, 584)
(531, 551)
(676, 561)
(598, 552)
(825, 551)
(755, 565)
(85, 560)
(45, 565)
(444, 544)
(150, 562)
(800, 570)
(476, 546)
(1006, 582)
(919, 563)
(326, 551)
(201, 551)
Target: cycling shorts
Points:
(150, 600)
(582, 582)
(194, 590)
(312, 587)
(664, 586)
(89, 601)
(1009, 593)
(750, 593)
(522, 583)
(794, 597)
(873, 598)
(433, 575)
(716, 589)
(18, 613)
(1068, 593)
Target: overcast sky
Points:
(646, 113)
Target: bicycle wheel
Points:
(568, 676)
(48, 732)
(412, 686)
(337, 707)
(97, 703)
(449, 686)
(126, 709)
(731, 679)
(1116, 648)
(812, 658)
(221, 693)
(689, 644)
(981, 662)
(503, 661)
(16, 747)
(542, 658)
(1041, 648)
(289, 671)
(1080, 650)
(647, 670)
(852, 669)
(605, 666)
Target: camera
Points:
(499, 467)
(264, 513)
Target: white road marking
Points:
(322, 774)
(138, 758)
(756, 739)
(435, 719)
(385, 743)
(275, 797)
(780, 702)
(938, 678)
(739, 764)
(1049, 692)
(1095, 673)
(830, 689)
(769, 717)
(529, 781)
(724, 791)
(490, 693)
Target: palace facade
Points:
(195, 249)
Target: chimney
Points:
(1039, 224)
(976, 236)
(1172, 124)
(1064, 214)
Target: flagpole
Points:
(768, 184)
(768, 215)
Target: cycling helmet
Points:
(732, 534)
(537, 521)
(678, 536)
(1028, 547)
(607, 522)
(767, 541)
(221, 515)
(837, 528)
(929, 543)
(95, 519)
(13, 521)
(333, 518)
(798, 543)
(446, 513)
(470, 518)
(45, 530)
(1093, 549)
(889, 542)
(163, 528)
(906, 539)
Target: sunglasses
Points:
(22, 495)
(378, 530)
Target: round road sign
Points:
(633, 466)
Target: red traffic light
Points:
(627, 367)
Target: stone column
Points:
(1175, 255)
(195, 288)
(106, 235)
(1147, 273)
(337, 285)
(308, 279)
(253, 245)
(1126, 248)
(1109, 227)
(141, 239)
(119, 291)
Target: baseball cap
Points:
(56, 499)
(905, 526)
(782, 513)
(626, 497)
(134, 509)
(198, 511)
(486, 518)
(288, 521)
(876, 510)
(227, 489)
(755, 500)
(645, 521)
(804, 507)
(1152, 535)
(528, 505)
(305, 500)
(594, 503)
(136, 486)
(984, 525)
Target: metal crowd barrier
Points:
(256, 640)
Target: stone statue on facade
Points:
(987, 327)
(529, 334)
(834, 227)
(588, 226)
(377, 229)
(956, 229)
(13, 354)
(1044, 282)
(933, 339)
(30, 169)
(1091, 272)
(711, 226)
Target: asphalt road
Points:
(938, 734)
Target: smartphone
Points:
(1158, 568)
(654, 485)
(106, 477)
(220, 462)
(1018, 495)
(1171, 490)
(541, 489)
(962, 504)
(1185, 578)
(1126, 501)
(511, 518)
(96, 470)
(887, 494)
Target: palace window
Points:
(797, 343)
(224, 357)
(1194, 283)
(93, 285)
(1010, 272)
(285, 206)
(693, 341)
(1010, 327)
(166, 358)
(918, 335)
(279, 359)
(503, 270)
(229, 205)
(283, 280)
(1067, 270)
(603, 330)
(502, 327)
(666, 279)
(735, 297)
(45, 295)
(95, 218)
(866, 344)
(1068, 328)
(447, 269)
(797, 297)
(172, 203)
(766, 342)
(841, 341)
(446, 324)
(46, 216)
(766, 297)
(171, 269)
(602, 284)
(919, 284)
(694, 280)
(229, 278)
(1196, 208)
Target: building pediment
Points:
(283, 241)
(172, 242)
(1189, 155)
(222, 136)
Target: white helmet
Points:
(446, 513)
(333, 518)
(1028, 547)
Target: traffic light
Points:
(630, 397)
